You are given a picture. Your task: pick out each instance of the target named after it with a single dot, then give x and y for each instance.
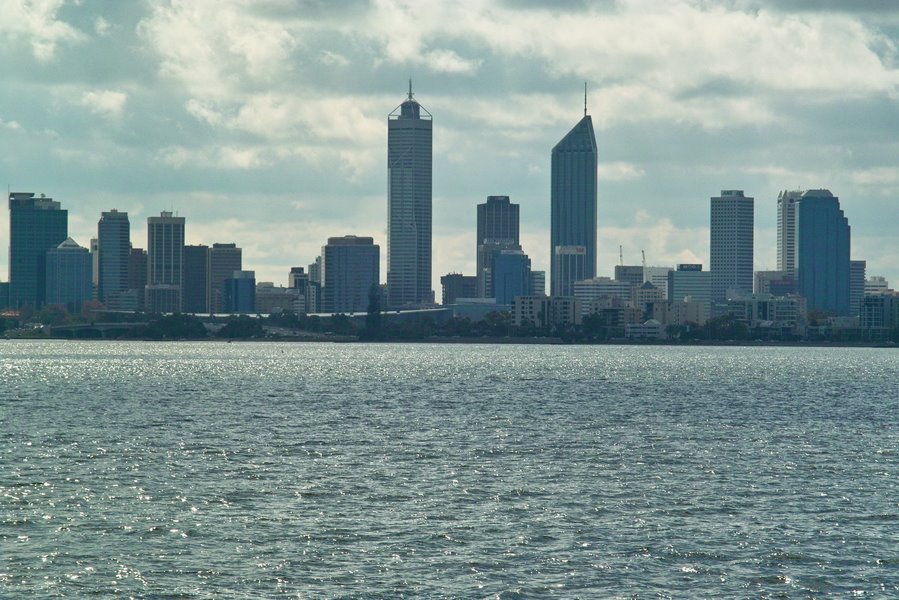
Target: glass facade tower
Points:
(573, 207)
(409, 205)
(35, 226)
(822, 252)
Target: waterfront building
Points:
(658, 276)
(69, 268)
(690, 281)
(777, 283)
(240, 292)
(511, 276)
(773, 312)
(731, 233)
(685, 312)
(545, 311)
(113, 250)
(570, 264)
(786, 230)
(35, 226)
(648, 330)
(196, 279)
(224, 260)
(588, 290)
(298, 280)
(632, 274)
(409, 205)
(880, 311)
(822, 252)
(165, 263)
(487, 254)
(137, 275)
(456, 285)
(856, 286)
(350, 269)
(646, 296)
(573, 208)
(274, 300)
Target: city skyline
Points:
(144, 126)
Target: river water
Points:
(201, 470)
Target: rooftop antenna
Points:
(644, 258)
(410, 88)
(620, 255)
(585, 98)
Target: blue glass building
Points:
(822, 252)
(35, 226)
(573, 205)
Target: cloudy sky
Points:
(264, 122)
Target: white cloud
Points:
(876, 176)
(102, 27)
(10, 125)
(619, 171)
(35, 23)
(108, 103)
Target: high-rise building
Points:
(224, 260)
(573, 207)
(113, 250)
(498, 220)
(409, 205)
(876, 284)
(731, 244)
(68, 278)
(569, 265)
(195, 292)
(822, 252)
(856, 285)
(689, 281)
(632, 274)
(511, 276)
(456, 285)
(240, 292)
(350, 269)
(35, 226)
(786, 230)
(538, 283)
(165, 263)
(487, 253)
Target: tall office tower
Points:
(569, 265)
(315, 270)
(488, 251)
(498, 220)
(165, 263)
(196, 279)
(731, 244)
(856, 285)
(224, 259)
(35, 226)
(632, 274)
(113, 250)
(822, 252)
(95, 259)
(511, 276)
(239, 292)
(786, 230)
(350, 268)
(409, 151)
(573, 207)
(69, 271)
(457, 285)
(690, 281)
(137, 273)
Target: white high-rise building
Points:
(113, 251)
(786, 230)
(409, 205)
(165, 255)
(731, 244)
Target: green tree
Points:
(241, 327)
(373, 317)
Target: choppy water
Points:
(316, 470)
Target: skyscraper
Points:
(573, 207)
(35, 226)
(731, 244)
(786, 230)
(165, 262)
(350, 269)
(113, 249)
(498, 220)
(409, 152)
(68, 279)
(857, 270)
(822, 252)
(194, 294)
(224, 259)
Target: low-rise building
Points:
(543, 311)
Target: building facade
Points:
(409, 205)
(689, 281)
(857, 270)
(68, 277)
(786, 230)
(165, 262)
(195, 292)
(350, 269)
(224, 260)
(511, 276)
(456, 285)
(573, 206)
(822, 252)
(113, 251)
(240, 292)
(35, 226)
(731, 235)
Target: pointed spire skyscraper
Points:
(409, 152)
(573, 208)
